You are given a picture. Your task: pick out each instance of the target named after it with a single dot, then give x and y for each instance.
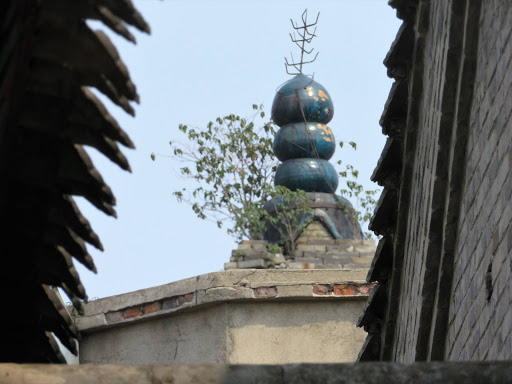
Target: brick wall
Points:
(419, 215)
(480, 322)
(448, 290)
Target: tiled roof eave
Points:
(389, 173)
(48, 113)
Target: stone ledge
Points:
(220, 287)
(375, 373)
(311, 254)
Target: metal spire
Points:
(305, 37)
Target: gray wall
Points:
(446, 292)
(423, 182)
(262, 332)
(480, 329)
(477, 328)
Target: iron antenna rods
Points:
(305, 36)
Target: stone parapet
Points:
(245, 316)
(218, 288)
(311, 253)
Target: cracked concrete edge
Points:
(252, 278)
(217, 296)
(91, 322)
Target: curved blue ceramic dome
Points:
(296, 140)
(302, 98)
(310, 175)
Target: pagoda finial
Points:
(305, 37)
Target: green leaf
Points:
(232, 165)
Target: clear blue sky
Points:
(210, 58)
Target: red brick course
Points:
(260, 292)
(321, 289)
(366, 289)
(185, 299)
(152, 307)
(345, 290)
(265, 292)
(132, 312)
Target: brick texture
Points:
(480, 329)
(265, 292)
(419, 215)
(366, 289)
(152, 307)
(185, 299)
(132, 312)
(321, 289)
(345, 290)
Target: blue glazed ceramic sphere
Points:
(296, 140)
(310, 175)
(302, 98)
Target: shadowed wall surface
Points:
(376, 373)
(444, 262)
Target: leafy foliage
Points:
(274, 248)
(232, 165)
(365, 199)
(290, 214)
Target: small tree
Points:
(232, 165)
(364, 198)
(290, 214)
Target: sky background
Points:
(206, 59)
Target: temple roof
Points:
(50, 58)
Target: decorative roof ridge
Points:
(405, 9)
(382, 261)
(398, 58)
(384, 217)
(395, 108)
(50, 59)
(389, 165)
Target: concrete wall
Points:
(295, 332)
(237, 317)
(236, 333)
(194, 337)
(480, 321)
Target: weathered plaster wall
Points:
(294, 332)
(194, 337)
(236, 333)
(480, 326)
(238, 317)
